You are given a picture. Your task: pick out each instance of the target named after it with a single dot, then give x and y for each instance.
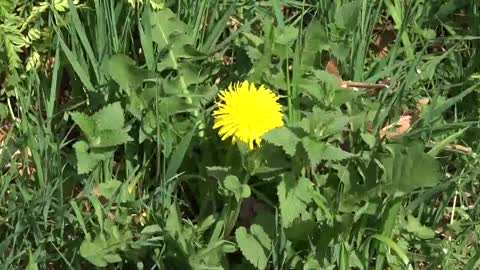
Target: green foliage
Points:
(294, 196)
(283, 137)
(347, 15)
(103, 250)
(402, 170)
(103, 130)
(318, 151)
(255, 245)
(240, 191)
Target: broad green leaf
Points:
(85, 122)
(32, 265)
(259, 233)
(319, 151)
(152, 229)
(252, 249)
(112, 258)
(165, 25)
(108, 189)
(409, 167)
(191, 73)
(219, 173)
(103, 250)
(369, 139)
(293, 195)
(414, 226)
(347, 15)
(240, 191)
(286, 36)
(324, 124)
(448, 7)
(125, 72)
(86, 161)
(329, 79)
(177, 157)
(284, 137)
(316, 40)
(110, 117)
(109, 138)
(312, 264)
(93, 252)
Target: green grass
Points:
(109, 157)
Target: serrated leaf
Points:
(260, 234)
(84, 162)
(173, 224)
(92, 251)
(103, 250)
(240, 191)
(414, 226)
(217, 172)
(347, 15)
(191, 73)
(108, 189)
(409, 167)
(330, 80)
(110, 117)
(151, 229)
(318, 151)
(165, 26)
(286, 35)
(251, 248)
(124, 71)
(109, 138)
(85, 122)
(316, 39)
(284, 137)
(112, 258)
(293, 195)
(323, 124)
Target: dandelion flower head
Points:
(246, 112)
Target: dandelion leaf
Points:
(409, 167)
(253, 245)
(294, 196)
(110, 117)
(319, 151)
(284, 137)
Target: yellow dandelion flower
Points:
(246, 112)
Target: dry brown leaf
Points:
(460, 148)
(331, 67)
(233, 23)
(421, 103)
(398, 128)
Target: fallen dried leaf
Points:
(398, 128)
(460, 148)
(331, 67)
(233, 23)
